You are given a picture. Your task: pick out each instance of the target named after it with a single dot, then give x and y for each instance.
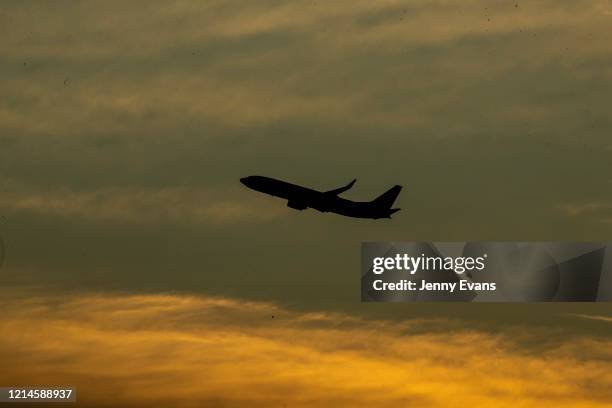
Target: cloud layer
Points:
(169, 350)
(110, 69)
(185, 206)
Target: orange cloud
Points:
(170, 350)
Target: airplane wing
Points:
(341, 189)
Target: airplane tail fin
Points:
(386, 199)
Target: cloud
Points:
(249, 64)
(139, 205)
(594, 317)
(595, 208)
(170, 350)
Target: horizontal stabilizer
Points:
(341, 189)
(393, 211)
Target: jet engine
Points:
(296, 205)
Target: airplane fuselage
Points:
(300, 198)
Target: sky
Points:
(124, 130)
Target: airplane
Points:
(301, 198)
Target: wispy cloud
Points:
(599, 209)
(244, 64)
(594, 317)
(182, 205)
(169, 350)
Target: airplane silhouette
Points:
(301, 198)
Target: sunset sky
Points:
(138, 269)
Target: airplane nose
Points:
(245, 181)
